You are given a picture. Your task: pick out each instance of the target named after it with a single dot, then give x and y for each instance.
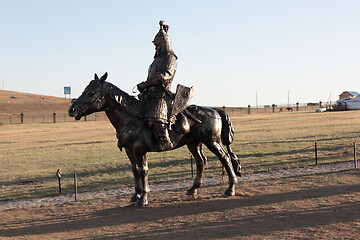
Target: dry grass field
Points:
(317, 206)
(30, 154)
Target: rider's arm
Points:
(161, 77)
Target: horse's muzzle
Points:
(73, 112)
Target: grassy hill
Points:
(12, 102)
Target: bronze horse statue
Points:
(197, 126)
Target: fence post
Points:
(355, 157)
(273, 108)
(316, 154)
(54, 117)
(222, 173)
(21, 118)
(58, 174)
(192, 166)
(249, 109)
(75, 186)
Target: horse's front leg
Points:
(136, 174)
(142, 166)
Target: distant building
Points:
(348, 100)
(348, 94)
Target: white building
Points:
(353, 103)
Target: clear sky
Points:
(230, 51)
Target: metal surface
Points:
(136, 137)
(141, 125)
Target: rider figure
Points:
(155, 91)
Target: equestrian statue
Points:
(158, 120)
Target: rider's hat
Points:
(162, 35)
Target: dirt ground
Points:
(323, 206)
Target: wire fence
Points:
(24, 118)
(271, 108)
(311, 154)
(315, 153)
(54, 117)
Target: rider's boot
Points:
(162, 135)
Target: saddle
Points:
(181, 127)
(182, 124)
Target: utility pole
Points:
(256, 99)
(288, 97)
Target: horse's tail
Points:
(227, 137)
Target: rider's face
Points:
(157, 47)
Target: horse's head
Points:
(91, 100)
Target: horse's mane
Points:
(128, 103)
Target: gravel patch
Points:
(45, 201)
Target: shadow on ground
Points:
(238, 225)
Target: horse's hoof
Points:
(135, 198)
(141, 202)
(230, 192)
(140, 205)
(191, 192)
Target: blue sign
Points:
(67, 90)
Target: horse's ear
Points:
(103, 78)
(96, 77)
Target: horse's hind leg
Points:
(225, 160)
(196, 151)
